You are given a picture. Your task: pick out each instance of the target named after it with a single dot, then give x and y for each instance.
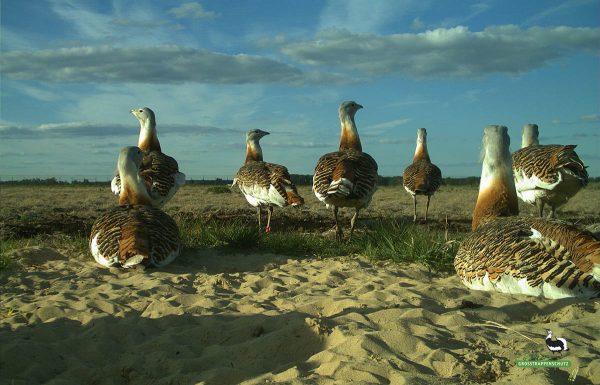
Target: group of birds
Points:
(504, 252)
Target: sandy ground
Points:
(225, 319)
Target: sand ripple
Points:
(225, 319)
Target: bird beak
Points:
(359, 106)
(265, 133)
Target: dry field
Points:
(30, 210)
(236, 316)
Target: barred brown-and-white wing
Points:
(162, 176)
(544, 162)
(143, 233)
(348, 175)
(531, 256)
(267, 183)
(422, 177)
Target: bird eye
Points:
(141, 110)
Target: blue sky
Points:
(211, 70)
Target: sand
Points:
(214, 318)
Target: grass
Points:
(400, 242)
(386, 240)
(219, 190)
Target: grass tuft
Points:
(385, 240)
(219, 190)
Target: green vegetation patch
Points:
(219, 190)
(385, 240)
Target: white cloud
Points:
(366, 16)
(591, 118)
(158, 64)
(558, 10)
(471, 12)
(86, 129)
(452, 52)
(192, 10)
(389, 124)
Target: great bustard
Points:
(160, 172)
(509, 254)
(422, 177)
(264, 184)
(134, 232)
(547, 174)
(348, 177)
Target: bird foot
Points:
(268, 229)
(339, 236)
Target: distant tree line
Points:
(298, 179)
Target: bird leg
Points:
(352, 223)
(269, 213)
(427, 207)
(415, 202)
(552, 213)
(339, 235)
(258, 214)
(541, 208)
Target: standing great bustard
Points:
(517, 255)
(422, 177)
(547, 174)
(134, 232)
(264, 184)
(348, 177)
(159, 171)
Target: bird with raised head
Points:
(160, 172)
(347, 177)
(265, 184)
(422, 177)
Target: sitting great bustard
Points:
(348, 177)
(422, 177)
(160, 172)
(134, 232)
(509, 254)
(264, 184)
(547, 174)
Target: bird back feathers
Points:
(544, 161)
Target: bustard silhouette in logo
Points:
(556, 346)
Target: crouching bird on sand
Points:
(517, 255)
(135, 232)
(265, 184)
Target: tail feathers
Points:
(294, 199)
(134, 260)
(341, 187)
(567, 157)
(115, 185)
(134, 247)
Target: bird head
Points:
(422, 135)
(144, 115)
(349, 108)
(254, 135)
